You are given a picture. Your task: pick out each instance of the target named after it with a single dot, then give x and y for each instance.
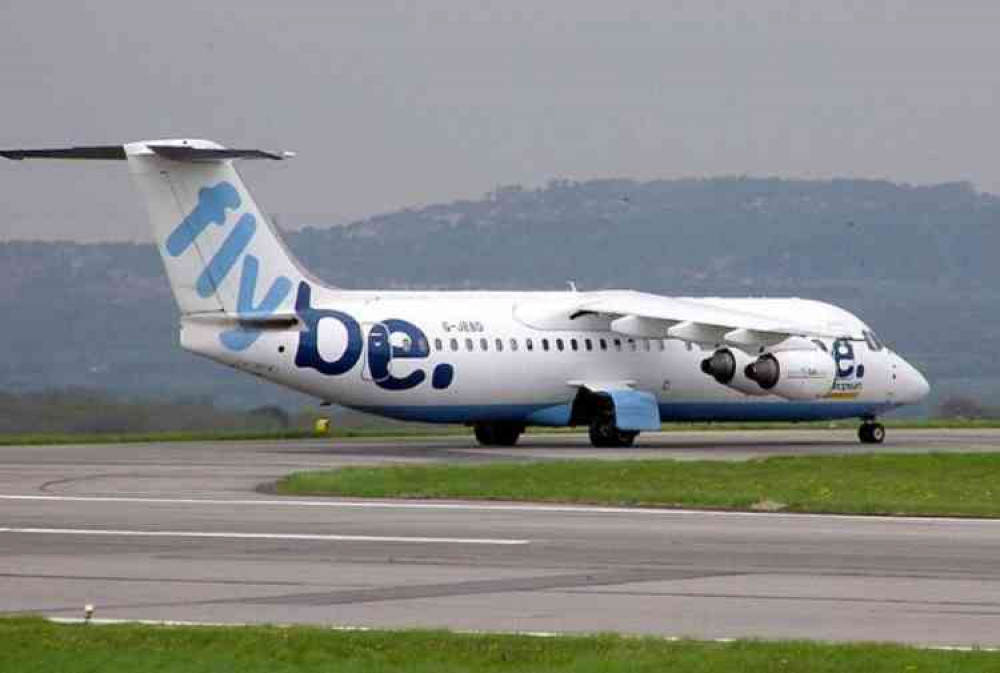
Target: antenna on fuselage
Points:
(572, 285)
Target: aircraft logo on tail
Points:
(214, 204)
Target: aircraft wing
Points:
(640, 314)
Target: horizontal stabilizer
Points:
(184, 153)
(117, 152)
(101, 152)
(249, 320)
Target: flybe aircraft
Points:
(615, 361)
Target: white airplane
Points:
(617, 361)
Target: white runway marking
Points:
(488, 507)
(257, 536)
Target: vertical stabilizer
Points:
(220, 252)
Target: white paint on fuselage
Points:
(669, 368)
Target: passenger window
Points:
(618, 345)
(529, 344)
(604, 344)
(663, 345)
(513, 344)
(454, 344)
(574, 345)
(469, 346)
(499, 345)
(437, 344)
(645, 342)
(631, 345)
(484, 343)
(559, 344)
(589, 344)
(545, 344)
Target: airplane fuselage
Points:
(466, 357)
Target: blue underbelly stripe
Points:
(548, 414)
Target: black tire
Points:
(484, 434)
(626, 439)
(601, 434)
(498, 434)
(871, 433)
(505, 434)
(878, 433)
(604, 435)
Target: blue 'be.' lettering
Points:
(381, 351)
(843, 356)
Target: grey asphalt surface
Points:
(180, 532)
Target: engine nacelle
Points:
(794, 374)
(728, 367)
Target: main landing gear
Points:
(871, 432)
(498, 433)
(604, 434)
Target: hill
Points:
(918, 262)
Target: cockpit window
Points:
(821, 345)
(873, 341)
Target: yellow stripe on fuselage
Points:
(846, 395)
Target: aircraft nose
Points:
(911, 386)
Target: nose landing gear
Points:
(871, 432)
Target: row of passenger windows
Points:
(498, 345)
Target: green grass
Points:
(236, 435)
(903, 484)
(375, 432)
(34, 645)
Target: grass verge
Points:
(222, 436)
(390, 432)
(940, 484)
(37, 645)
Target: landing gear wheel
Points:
(498, 434)
(604, 435)
(483, 434)
(871, 433)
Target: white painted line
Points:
(258, 536)
(470, 506)
(530, 634)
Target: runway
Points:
(183, 532)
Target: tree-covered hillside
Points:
(916, 262)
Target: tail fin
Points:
(219, 250)
(221, 254)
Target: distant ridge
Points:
(919, 262)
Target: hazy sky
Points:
(394, 104)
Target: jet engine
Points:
(794, 374)
(728, 366)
